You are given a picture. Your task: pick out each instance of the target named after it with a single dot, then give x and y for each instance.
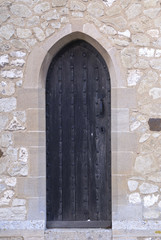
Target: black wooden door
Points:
(78, 134)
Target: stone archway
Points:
(34, 83)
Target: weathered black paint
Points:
(155, 124)
(78, 138)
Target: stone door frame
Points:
(34, 87)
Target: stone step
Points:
(78, 234)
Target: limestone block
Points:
(120, 96)
(4, 60)
(151, 214)
(155, 93)
(150, 3)
(134, 198)
(13, 73)
(155, 177)
(152, 12)
(29, 139)
(133, 11)
(30, 98)
(20, 10)
(147, 188)
(145, 164)
(157, 22)
(20, 115)
(147, 52)
(158, 53)
(125, 33)
(128, 57)
(125, 3)
(11, 181)
(18, 54)
(19, 44)
(135, 125)
(35, 120)
(120, 42)
(64, 11)
(96, 9)
(19, 83)
(109, 2)
(34, 21)
(142, 64)
(7, 88)
(23, 33)
(3, 120)
(64, 20)
(120, 120)
(31, 42)
(7, 104)
(18, 21)
(44, 24)
(4, 14)
(18, 202)
(23, 155)
(134, 77)
(140, 39)
(156, 64)
(42, 7)
(59, 3)
(7, 196)
(77, 14)
(76, 5)
(150, 200)
(108, 30)
(115, 10)
(4, 47)
(132, 185)
(36, 156)
(7, 31)
(119, 158)
(17, 168)
(31, 187)
(2, 187)
(144, 137)
(51, 15)
(124, 141)
(118, 22)
(3, 164)
(153, 33)
(39, 33)
(36, 208)
(6, 139)
(18, 62)
(13, 213)
(15, 125)
(136, 27)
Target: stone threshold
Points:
(78, 234)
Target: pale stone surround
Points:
(127, 35)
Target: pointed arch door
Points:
(78, 138)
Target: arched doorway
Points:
(78, 138)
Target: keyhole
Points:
(102, 130)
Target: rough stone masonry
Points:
(133, 29)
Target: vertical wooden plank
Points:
(91, 137)
(66, 138)
(80, 154)
(53, 169)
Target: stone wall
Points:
(131, 28)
